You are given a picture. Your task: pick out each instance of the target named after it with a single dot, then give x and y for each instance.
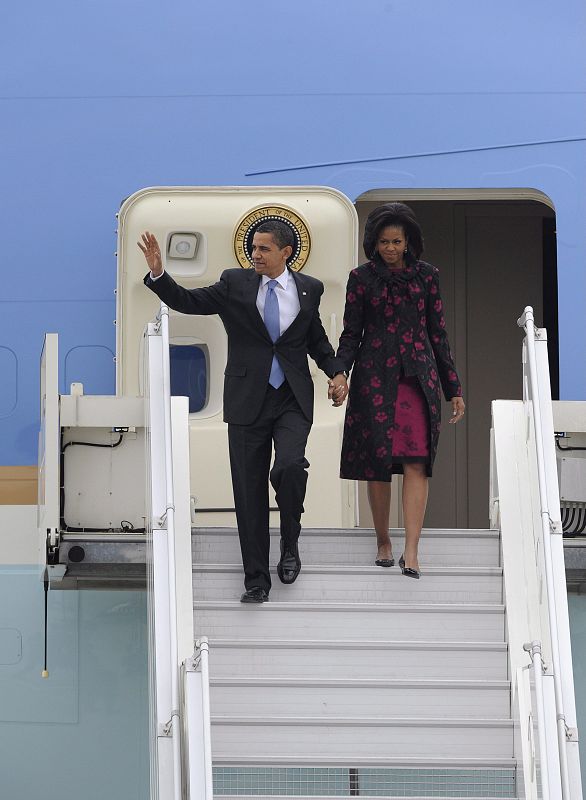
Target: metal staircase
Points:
(356, 680)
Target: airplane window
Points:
(189, 374)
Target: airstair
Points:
(355, 680)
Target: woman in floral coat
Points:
(394, 341)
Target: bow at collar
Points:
(396, 279)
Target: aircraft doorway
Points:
(495, 257)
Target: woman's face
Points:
(391, 244)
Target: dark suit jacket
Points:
(250, 349)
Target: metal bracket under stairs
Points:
(99, 561)
(575, 561)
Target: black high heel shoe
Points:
(409, 571)
(385, 562)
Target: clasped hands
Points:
(337, 389)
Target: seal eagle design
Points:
(247, 226)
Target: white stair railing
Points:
(537, 390)
(174, 747)
(537, 665)
(196, 695)
(525, 504)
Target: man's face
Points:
(268, 258)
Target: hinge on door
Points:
(572, 734)
(52, 546)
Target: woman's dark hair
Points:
(401, 216)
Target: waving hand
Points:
(152, 253)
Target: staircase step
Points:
(358, 659)
(373, 621)
(364, 697)
(335, 782)
(359, 584)
(362, 796)
(354, 737)
(224, 761)
(356, 546)
(352, 663)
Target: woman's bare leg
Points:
(379, 498)
(415, 487)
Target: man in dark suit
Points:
(271, 316)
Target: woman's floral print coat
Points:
(393, 325)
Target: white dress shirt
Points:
(286, 293)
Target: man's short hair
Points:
(280, 231)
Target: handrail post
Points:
(534, 650)
(527, 321)
(203, 646)
(199, 772)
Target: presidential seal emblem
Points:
(247, 226)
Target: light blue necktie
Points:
(273, 324)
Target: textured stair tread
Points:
(363, 569)
(363, 796)
(463, 532)
(386, 761)
(359, 584)
(418, 621)
(388, 683)
(349, 644)
(357, 546)
(416, 608)
(278, 721)
(348, 737)
(375, 698)
(346, 659)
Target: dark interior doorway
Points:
(495, 258)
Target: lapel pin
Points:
(303, 292)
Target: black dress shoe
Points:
(289, 566)
(409, 572)
(255, 595)
(385, 562)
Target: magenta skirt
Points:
(411, 438)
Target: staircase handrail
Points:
(527, 322)
(175, 728)
(181, 743)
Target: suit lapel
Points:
(305, 298)
(249, 294)
(305, 303)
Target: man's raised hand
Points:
(152, 253)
